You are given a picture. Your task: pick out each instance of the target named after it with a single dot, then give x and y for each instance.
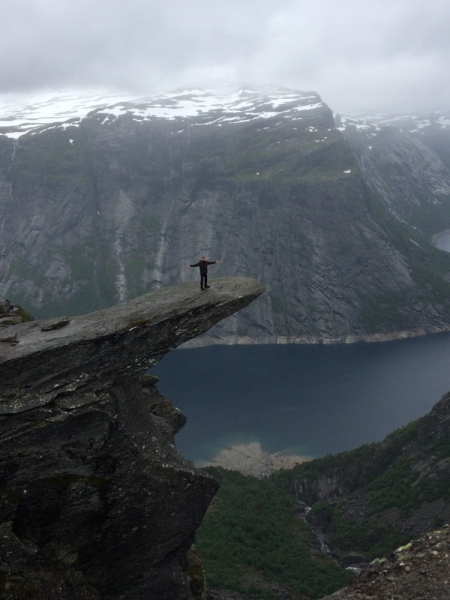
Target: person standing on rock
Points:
(203, 265)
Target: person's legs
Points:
(202, 280)
(206, 281)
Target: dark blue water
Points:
(310, 400)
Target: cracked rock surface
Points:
(95, 501)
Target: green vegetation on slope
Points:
(252, 537)
(300, 158)
(49, 159)
(373, 539)
(382, 484)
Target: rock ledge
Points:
(110, 345)
(95, 501)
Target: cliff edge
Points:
(95, 501)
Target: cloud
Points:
(358, 54)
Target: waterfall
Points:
(7, 175)
(10, 168)
(124, 210)
(164, 242)
(2, 241)
(6, 208)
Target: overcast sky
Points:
(359, 55)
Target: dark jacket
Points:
(203, 264)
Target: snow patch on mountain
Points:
(207, 107)
(343, 123)
(411, 122)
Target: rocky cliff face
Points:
(408, 175)
(95, 501)
(100, 209)
(431, 129)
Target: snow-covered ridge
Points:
(414, 123)
(206, 106)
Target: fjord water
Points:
(308, 400)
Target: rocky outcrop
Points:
(95, 501)
(12, 314)
(417, 571)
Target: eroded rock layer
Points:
(95, 501)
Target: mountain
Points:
(431, 129)
(102, 199)
(204, 106)
(407, 175)
(379, 496)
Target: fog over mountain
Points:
(359, 56)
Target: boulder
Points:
(4, 306)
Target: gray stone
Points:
(10, 320)
(7, 336)
(95, 501)
(55, 324)
(113, 345)
(4, 306)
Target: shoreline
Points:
(251, 459)
(235, 340)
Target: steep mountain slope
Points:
(373, 499)
(405, 173)
(255, 544)
(431, 129)
(100, 208)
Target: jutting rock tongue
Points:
(110, 346)
(95, 501)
